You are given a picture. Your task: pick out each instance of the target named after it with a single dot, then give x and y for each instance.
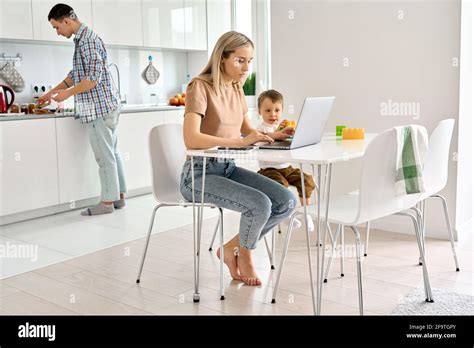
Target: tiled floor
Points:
(64, 236)
(69, 277)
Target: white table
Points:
(330, 150)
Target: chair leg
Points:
(450, 231)
(221, 239)
(283, 257)
(331, 237)
(273, 249)
(422, 207)
(215, 233)
(147, 241)
(367, 238)
(342, 250)
(333, 252)
(419, 237)
(269, 251)
(420, 212)
(359, 269)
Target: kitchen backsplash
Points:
(48, 63)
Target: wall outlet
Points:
(39, 89)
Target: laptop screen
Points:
(312, 121)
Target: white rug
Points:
(445, 303)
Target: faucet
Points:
(118, 78)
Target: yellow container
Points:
(353, 133)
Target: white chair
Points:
(435, 175)
(167, 154)
(377, 198)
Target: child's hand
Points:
(280, 135)
(289, 130)
(282, 125)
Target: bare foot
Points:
(246, 268)
(230, 259)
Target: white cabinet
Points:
(221, 13)
(163, 23)
(77, 168)
(15, 19)
(175, 24)
(42, 29)
(195, 24)
(173, 116)
(118, 22)
(48, 162)
(28, 166)
(132, 135)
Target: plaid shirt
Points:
(90, 63)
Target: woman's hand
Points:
(256, 137)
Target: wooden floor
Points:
(104, 282)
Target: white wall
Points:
(50, 63)
(367, 53)
(465, 156)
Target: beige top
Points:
(223, 114)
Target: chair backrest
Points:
(167, 155)
(435, 171)
(377, 195)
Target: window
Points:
(251, 17)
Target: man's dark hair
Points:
(61, 11)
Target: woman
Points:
(216, 115)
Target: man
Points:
(97, 104)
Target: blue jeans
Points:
(263, 203)
(103, 138)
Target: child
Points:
(270, 106)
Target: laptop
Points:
(310, 127)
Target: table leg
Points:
(318, 238)
(200, 216)
(327, 190)
(308, 242)
(196, 290)
(197, 239)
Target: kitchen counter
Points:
(126, 109)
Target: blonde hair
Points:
(227, 44)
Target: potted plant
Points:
(249, 90)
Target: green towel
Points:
(412, 148)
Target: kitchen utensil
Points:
(150, 74)
(11, 76)
(5, 101)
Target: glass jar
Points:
(31, 108)
(24, 108)
(15, 108)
